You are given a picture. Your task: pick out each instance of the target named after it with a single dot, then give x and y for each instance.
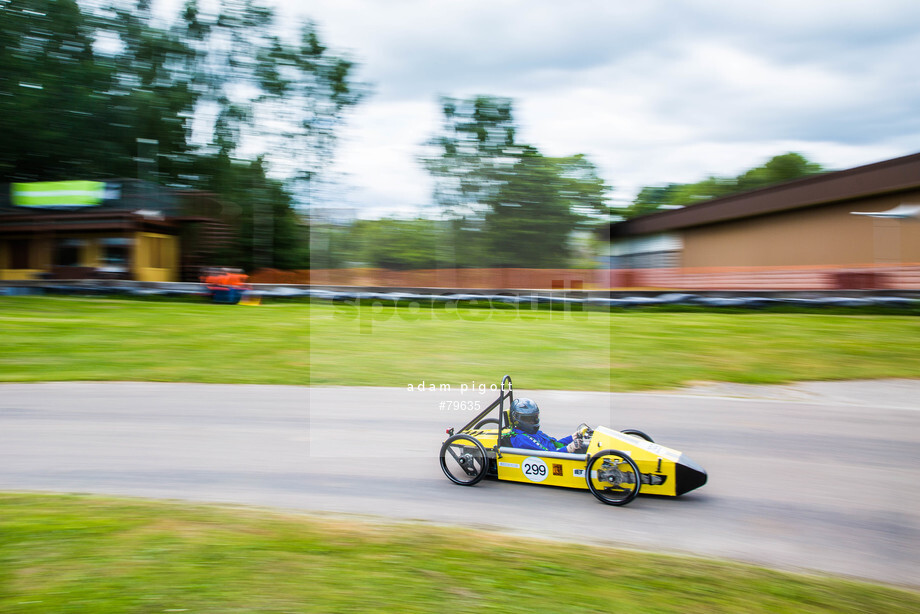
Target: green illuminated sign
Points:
(58, 193)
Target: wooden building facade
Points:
(120, 229)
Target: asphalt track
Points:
(820, 476)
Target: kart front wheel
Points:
(463, 460)
(637, 433)
(613, 477)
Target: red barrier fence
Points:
(868, 277)
(576, 279)
(873, 277)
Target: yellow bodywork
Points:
(568, 470)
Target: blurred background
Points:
(529, 147)
(609, 147)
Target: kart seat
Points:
(505, 439)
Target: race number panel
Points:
(534, 469)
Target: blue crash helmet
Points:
(525, 415)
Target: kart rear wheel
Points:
(613, 477)
(637, 433)
(463, 460)
(482, 423)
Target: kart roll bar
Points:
(502, 395)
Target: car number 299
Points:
(534, 469)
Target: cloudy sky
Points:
(653, 91)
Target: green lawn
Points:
(91, 554)
(56, 338)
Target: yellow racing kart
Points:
(615, 466)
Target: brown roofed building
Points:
(808, 222)
(117, 229)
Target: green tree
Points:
(506, 204)
(396, 244)
(52, 93)
(154, 95)
(86, 93)
(473, 149)
(650, 199)
(288, 96)
(779, 169)
(269, 233)
(535, 211)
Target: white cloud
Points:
(654, 91)
(378, 153)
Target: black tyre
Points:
(637, 433)
(482, 423)
(463, 460)
(613, 477)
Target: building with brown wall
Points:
(117, 229)
(803, 223)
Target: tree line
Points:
(223, 103)
(86, 91)
(778, 169)
(502, 203)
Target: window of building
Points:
(660, 251)
(156, 252)
(646, 260)
(116, 253)
(19, 254)
(67, 252)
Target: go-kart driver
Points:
(526, 433)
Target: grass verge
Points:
(53, 338)
(90, 554)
